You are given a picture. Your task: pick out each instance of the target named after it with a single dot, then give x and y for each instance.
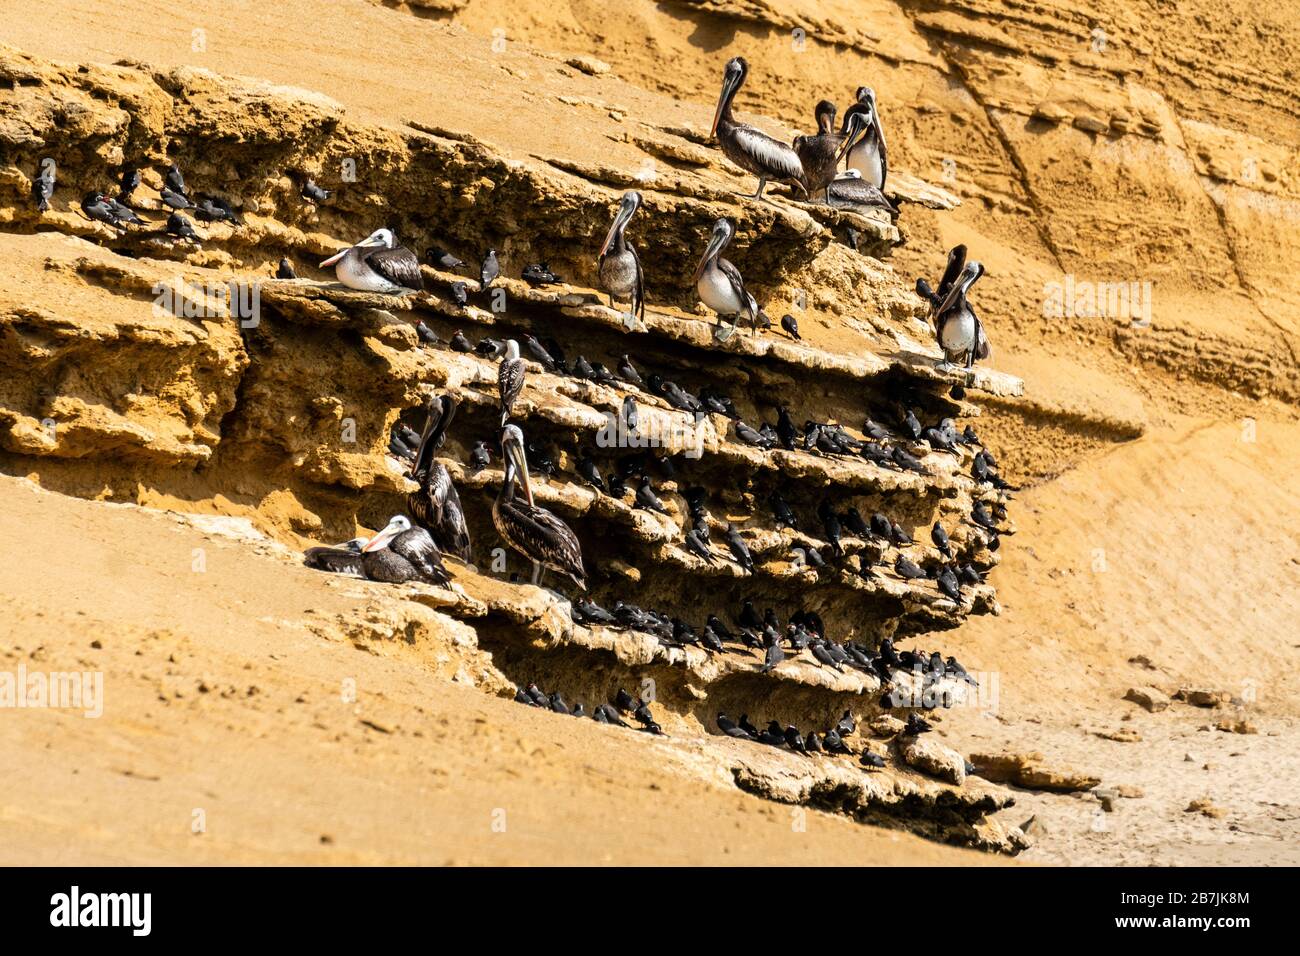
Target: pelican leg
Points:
(762, 182)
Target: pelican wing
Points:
(772, 158)
(436, 508)
(638, 295)
(540, 536)
(399, 266)
(334, 560)
(951, 273)
(417, 547)
(738, 285)
(854, 191)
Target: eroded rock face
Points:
(147, 376)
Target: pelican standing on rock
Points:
(957, 327)
(398, 554)
(529, 529)
(719, 284)
(378, 264)
(819, 154)
(436, 505)
(864, 139)
(620, 267)
(749, 148)
(510, 379)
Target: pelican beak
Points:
(519, 463)
(730, 83)
(716, 242)
(336, 257)
(620, 222)
(857, 129)
(380, 541)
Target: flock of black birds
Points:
(602, 713)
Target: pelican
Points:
(399, 553)
(436, 506)
(818, 155)
(749, 148)
(957, 327)
(864, 139)
(620, 269)
(849, 190)
(719, 284)
(378, 264)
(510, 379)
(532, 530)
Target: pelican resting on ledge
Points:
(398, 554)
(620, 266)
(749, 148)
(378, 264)
(720, 285)
(436, 505)
(864, 139)
(528, 528)
(958, 329)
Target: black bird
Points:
(480, 457)
(746, 726)
(772, 735)
(749, 617)
(182, 228)
(426, 334)
(834, 743)
(443, 259)
(538, 351)
(968, 575)
(811, 556)
(940, 539)
(900, 537)
(739, 550)
(313, 193)
(521, 697)
(786, 432)
(731, 729)
(175, 181)
(791, 326)
(557, 703)
(539, 273)
(916, 725)
(95, 206)
(579, 710)
(624, 701)
(911, 423)
(948, 584)
(907, 461)
(872, 759)
(175, 200)
(774, 654)
(627, 371)
(781, 512)
(814, 745)
(908, 569)
(459, 293)
(646, 497)
(582, 369)
(795, 740)
(881, 526)
(846, 725)
(215, 209)
(589, 473)
(629, 413)
(285, 269)
(750, 437)
(831, 525)
(43, 188)
(980, 515)
(823, 655)
(536, 695)
(123, 211)
(852, 520)
(128, 183)
(697, 546)
(593, 613)
(489, 270)
(876, 431)
(459, 343)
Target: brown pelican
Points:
(436, 506)
(818, 155)
(958, 329)
(399, 553)
(620, 269)
(532, 530)
(510, 379)
(749, 148)
(719, 284)
(864, 139)
(378, 264)
(850, 191)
